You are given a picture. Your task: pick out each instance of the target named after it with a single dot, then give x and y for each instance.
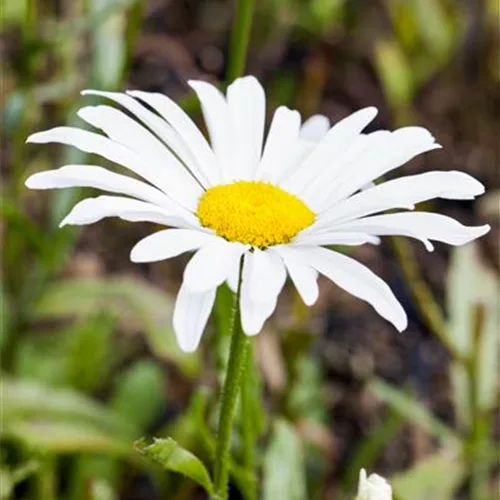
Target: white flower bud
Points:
(374, 487)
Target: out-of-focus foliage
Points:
(284, 464)
(89, 359)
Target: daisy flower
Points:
(278, 202)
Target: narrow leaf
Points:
(24, 401)
(136, 303)
(284, 475)
(470, 286)
(171, 456)
(421, 480)
(413, 411)
(139, 394)
(66, 438)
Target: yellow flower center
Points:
(254, 213)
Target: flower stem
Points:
(235, 366)
(240, 38)
(247, 423)
(238, 353)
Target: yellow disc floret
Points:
(253, 212)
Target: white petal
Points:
(216, 114)
(157, 124)
(100, 145)
(281, 142)
(247, 107)
(162, 167)
(337, 140)
(304, 277)
(374, 487)
(89, 142)
(254, 314)
(315, 128)
(335, 238)
(100, 178)
(169, 243)
(267, 275)
(404, 192)
(390, 151)
(343, 165)
(210, 265)
(191, 314)
(359, 281)
(259, 293)
(207, 169)
(92, 210)
(421, 225)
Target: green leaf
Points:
(436, 28)
(407, 406)
(13, 12)
(421, 481)
(137, 305)
(371, 446)
(108, 44)
(395, 74)
(19, 222)
(41, 358)
(101, 490)
(284, 475)
(88, 352)
(139, 395)
(5, 315)
(66, 438)
(25, 401)
(6, 484)
(472, 285)
(305, 398)
(172, 457)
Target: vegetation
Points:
(89, 361)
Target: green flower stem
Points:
(478, 433)
(240, 38)
(247, 425)
(235, 367)
(239, 350)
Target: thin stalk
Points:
(424, 299)
(247, 424)
(46, 479)
(235, 366)
(478, 430)
(238, 354)
(240, 38)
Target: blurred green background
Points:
(89, 361)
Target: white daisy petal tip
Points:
(35, 181)
(191, 313)
(201, 83)
(477, 232)
(401, 323)
(137, 254)
(36, 138)
(86, 92)
(364, 115)
(65, 222)
(372, 110)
